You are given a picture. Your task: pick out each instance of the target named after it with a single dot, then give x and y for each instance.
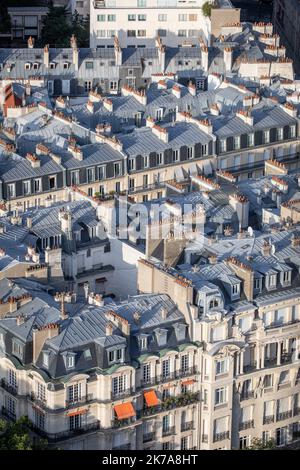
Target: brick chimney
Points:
(245, 272)
(39, 337)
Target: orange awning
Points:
(125, 410)
(77, 412)
(151, 398)
(188, 382)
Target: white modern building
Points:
(139, 22)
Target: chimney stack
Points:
(204, 58)
(40, 336)
(63, 315)
(108, 329)
(46, 55)
(161, 53)
(228, 58)
(118, 51)
(75, 52)
(30, 43)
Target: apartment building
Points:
(286, 24)
(136, 23)
(124, 376)
(244, 308)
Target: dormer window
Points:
(52, 65)
(131, 164)
(36, 65)
(180, 331)
(70, 362)
(272, 281)
(280, 133)
(266, 137)
(286, 278)
(257, 284)
(143, 342)
(116, 355)
(87, 354)
(214, 303)
(161, 336)
(66, 65)
(235, 289)
(223, 145)
(17, 348)
(237, 142)
(27, 66)
(46, 359)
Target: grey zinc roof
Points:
(14, 168)
(143, 140)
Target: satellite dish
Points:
(273, 249)
(250, 231)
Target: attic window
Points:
(38, 56)
(36, 65)
(65, 56)
(52, 65)
(17, 349)
(87, 354)
(27, 66)
(66, 65)
(46, 359)
(143, 342)
(70, 362)
(213, 303)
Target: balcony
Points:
(12, 389)
(121, 394)
(188, 426)
(221, 436)
(121, 423)
(250, 367)
(8, 414)
(149, 437)
(123, 447)
(186, 372)
(171, 376)
(95, 426)
(284, 415)
(168, 431)
(79, 400)
(171, 403)
(296, 411)
(270, 361)
(247, 395)
(38, 401)
(268, 419)
(246, 425)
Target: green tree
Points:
(259, 444)
(16, 436)
(57, 28)
(81, 29)
(207, 7)
(5, 23)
